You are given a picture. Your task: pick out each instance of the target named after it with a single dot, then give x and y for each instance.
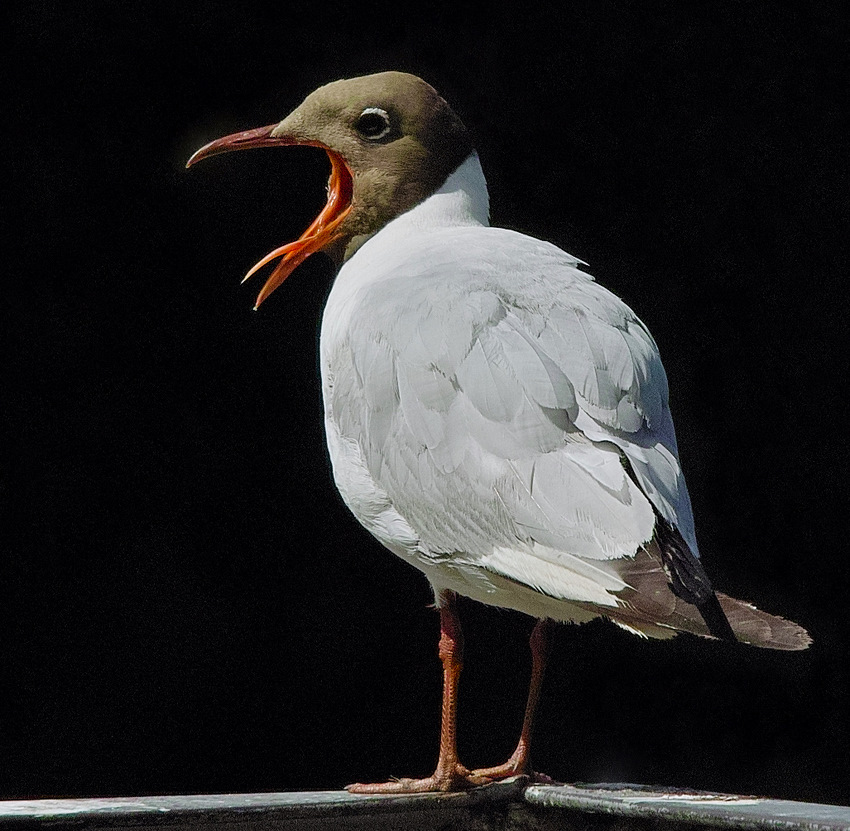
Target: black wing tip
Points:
(689, 581)
(716, 620)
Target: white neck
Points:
(462, 200)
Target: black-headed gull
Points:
(494, 416)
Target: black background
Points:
(191, 608)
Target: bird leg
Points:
(520, 762)
(449, 775)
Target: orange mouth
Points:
(324, 229)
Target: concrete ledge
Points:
(310, 811)
(507, 806)
(668, 808)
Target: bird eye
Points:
(373, 123)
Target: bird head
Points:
(391, 140)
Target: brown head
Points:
(392, 142)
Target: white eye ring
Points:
(373, 123)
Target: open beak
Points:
(325, 227)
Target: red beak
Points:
(325, 227)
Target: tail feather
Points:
(649, 606)
(669, 591)
(753, 626)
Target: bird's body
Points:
(458, 362)
(494, 416)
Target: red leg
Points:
(450, 775)
(520, 761)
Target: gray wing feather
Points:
(495, 412)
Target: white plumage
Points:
(480, 392)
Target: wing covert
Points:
(496, 415)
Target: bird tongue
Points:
(325, 227)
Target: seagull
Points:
(494, 416)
